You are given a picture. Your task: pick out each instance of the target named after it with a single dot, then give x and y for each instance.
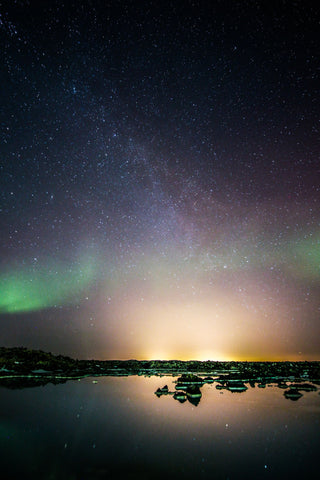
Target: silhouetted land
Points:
(21, 367)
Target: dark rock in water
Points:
(180, 396)
(236, 386)
(190, 378)
(181, 386)
(162, 391)
(193, 391)
(252, 384)
(182, 400)
(194, 400)
(305, 387)
(282, 385)
(208, 380)
(221, 387)
(292, 394)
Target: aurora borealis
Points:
(160, 179)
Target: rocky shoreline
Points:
(21, 367)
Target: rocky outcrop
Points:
(236, 386)
(208, 380)
(162, 391)
(282, 385)
(292, 394)
(180, 396)
(305, 387)
(193, 391)
(190, 378)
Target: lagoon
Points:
(118, 428)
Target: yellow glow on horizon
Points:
(219, 325)
(158, 356)
(184, 357)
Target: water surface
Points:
(117, 428)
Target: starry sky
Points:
(160, 176)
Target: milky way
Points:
(160, 179)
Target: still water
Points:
(118, 428)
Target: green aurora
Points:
(38, 287)
(34, 287)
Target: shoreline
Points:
(19, 365)
(42, 367)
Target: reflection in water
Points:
(188, 387)
(117, 428)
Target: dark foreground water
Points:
(118, 429)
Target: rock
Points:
(181, 386)
(193, 391)
(162, 391)
(220, 387)
(305, 387)
(292, 394)
(180, 396)
(190, 378)
(208, 380)
(282, 385)
(236, 386)
(194, 400)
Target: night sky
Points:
(160, 179)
